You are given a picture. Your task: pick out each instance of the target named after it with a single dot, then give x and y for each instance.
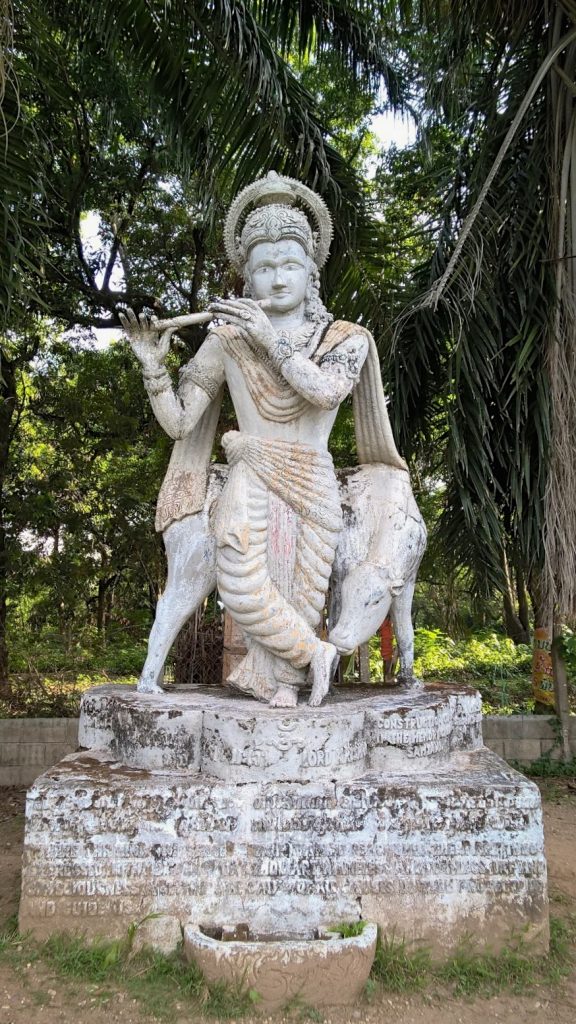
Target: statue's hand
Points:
(149, 345)
(247, 316)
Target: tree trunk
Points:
(7, 407)
(537, 600)
(523, 609)
(512, 624)
(101, 607)
(364, 668)
(542, 666)
(561, 691)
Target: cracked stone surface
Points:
(235, 739)
(378, 805)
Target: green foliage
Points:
(348, 929)
(547, 768)
(471, 974)
(58, 697)
(9, 934)
(568, 642)
(50, 654)
(486, 660)
(484, 654)
(399, 969)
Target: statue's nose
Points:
(279, 280)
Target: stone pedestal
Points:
(207, 808)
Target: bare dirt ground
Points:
(33, 994)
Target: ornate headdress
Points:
(275, 217)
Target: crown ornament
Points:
(267, 211)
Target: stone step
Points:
(233, 738)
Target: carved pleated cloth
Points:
(277, 529)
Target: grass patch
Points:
(398, 969)
(348, 929)
(163, 985)
(469, 973)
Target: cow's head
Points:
(367, 592)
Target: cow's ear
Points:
(397, 586)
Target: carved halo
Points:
(275, 188)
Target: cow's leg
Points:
(191, 577)
(401, 612)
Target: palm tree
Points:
(496, 329)
(495, 334)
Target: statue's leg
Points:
(256, 603)
(401, 613)
(191, 554)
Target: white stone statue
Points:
(274, 529)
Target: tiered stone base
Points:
(217, 810)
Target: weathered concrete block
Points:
(431, 854)
(35, 730)
(209, 808)
(496, 746)
(72, 730)
(552, 748)
(252, 746)
(533, 727)
(24, 753)
(54, 752)
(19, 775)
(522, 750)
(496, 727)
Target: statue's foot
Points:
(252, 675)
(285, 697)
(322, 668)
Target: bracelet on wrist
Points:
(155, 372)
(282, 350)
(156, 383)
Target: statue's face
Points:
(279, 271)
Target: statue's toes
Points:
(285, 697)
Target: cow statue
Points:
(379, 551)
(374, 572)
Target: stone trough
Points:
(322, 970)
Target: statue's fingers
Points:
(227, 310)
(132, 325)
(229, 303)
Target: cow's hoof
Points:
(410, 682)
(149, 688)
